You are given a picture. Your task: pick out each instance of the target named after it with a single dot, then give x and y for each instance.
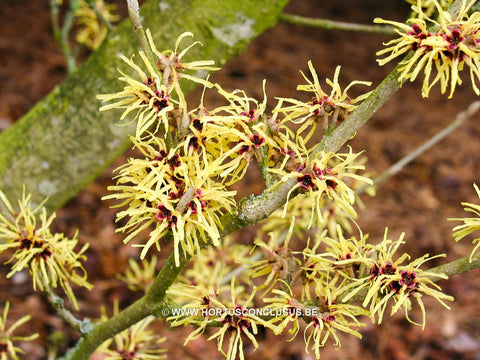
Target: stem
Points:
(65, 44)
(457, 267)
(134, 12)
(58, 304)
(335, 25)
(149, 304)
(267, 177)
(399, 165)
(61, 33)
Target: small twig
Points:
(58, 304)
(61, 34)
(335, 25)
(267, 176)
(399, 165)
(65, 33)
(134, 12)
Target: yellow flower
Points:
(204, 306)
(469, 224)
(136, 342)
(325, 174)
(233, 134)
(156, 96)
(346, 256)
(236, 323)
(336, 317)
(412, 283)
(327, 108)
(7, 349)
(170, 62)
(149, 97)
(140, 279)
(389, 278)
(93, 30)
(289, 308)
(176, 194)
(453, 44)
(196, 301)
(50, 258)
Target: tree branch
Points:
(64, 142)
(335, 25)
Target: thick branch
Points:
(64, 142)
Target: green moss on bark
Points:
(64, 142)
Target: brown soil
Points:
(416, 201)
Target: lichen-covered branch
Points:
(64, 142)
(457, 267)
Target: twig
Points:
(335, 25)
(61, 34)
(82, 326)
(134, 12)
(399, 165)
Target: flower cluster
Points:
(50, 258)
(328, 109)
(444, 47)
(173, 193)
(180, 186)
(386, 277)
(179, 189)
(341, 277)
(155, 95)
(137, 342)
(469, 224)
(325, 174)
(92, 20)
(234, 321)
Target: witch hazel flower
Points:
(154, 94)
(392, 279)
(237, 326)
(139, 341)
(336, 317)
(326, 108)
(175, 194)
(52, 259)
(440, 48)
(470, 224)
(324, 174)
(92, 30)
